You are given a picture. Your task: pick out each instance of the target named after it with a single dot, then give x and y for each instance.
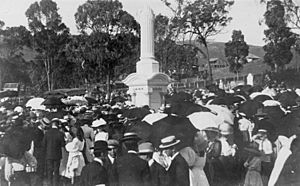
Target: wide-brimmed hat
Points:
(168, 142)
(130, 136)
(112, 143)
(100, 146)
(145, 148)
(98, 123)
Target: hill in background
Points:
(216, 50)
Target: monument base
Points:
(147, 89)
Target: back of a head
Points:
(131, 145)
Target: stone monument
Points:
(147, 86)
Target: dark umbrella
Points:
(179, 97)
(244, 88)
(261, 98)
(53, 102)
(91, 100)
(136, 113)
(287, 99)
(186, 108)
(250, 107)
(141, 128)
(256, 88)
(181, 127)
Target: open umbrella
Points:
(136, 113)
(53, 102)
(141, 128)
(287, 99)
(223, 113)
(181, 127)
(151, 118)
(36, 103)
(203, 120)
(250, 107)
(75, 100)
(91, 100)
(185, 108)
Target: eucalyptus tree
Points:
(113, 36)
(50, 36)
(198, 20)
(279, 38)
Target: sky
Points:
(246, 15)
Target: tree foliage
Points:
(13, 67)
(50, 35)
(174, 58)
(199, 19)
(279, 38)
(111, 36)
(236, 51)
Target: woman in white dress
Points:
(196, 159)
(75, 160)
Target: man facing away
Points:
(94, 173)
(53, 143)
(130, 169)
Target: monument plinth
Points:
(147, 86)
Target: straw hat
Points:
(168, 142)
(112, 143)
(130, 136)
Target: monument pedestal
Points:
(147, 86)
(147, 89)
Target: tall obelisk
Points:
(147, 86)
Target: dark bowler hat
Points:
(130, 136)
(100, 146)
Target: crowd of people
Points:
(254, 142)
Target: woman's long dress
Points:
(196, 165)
(75, 159)
(198, 176)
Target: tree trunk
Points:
(108, 85)
(209, 66)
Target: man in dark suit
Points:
(130, 169)
(38, 150)
(53, 143)
(95, 173)
(159, 175)
(109, 161)
(178, 170)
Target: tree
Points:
(112, 31)
(236, 51)
(279, 39)
(13, 67)
(200, 19)
(49, 37)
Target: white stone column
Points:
(147, 64)
(147, 33)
